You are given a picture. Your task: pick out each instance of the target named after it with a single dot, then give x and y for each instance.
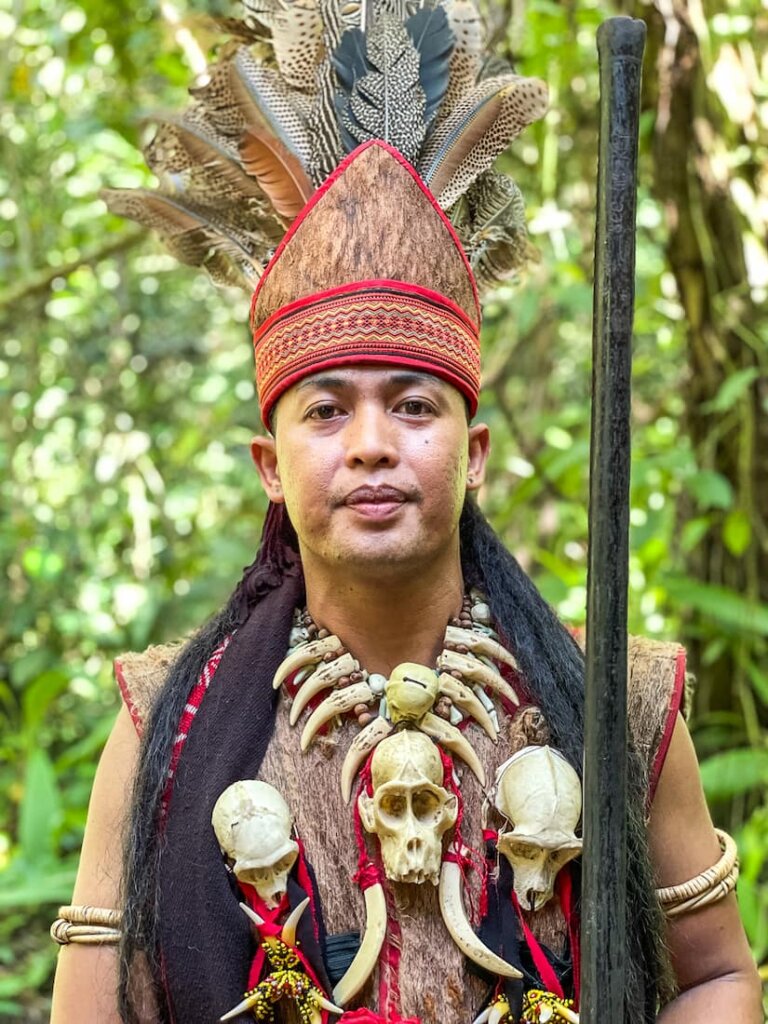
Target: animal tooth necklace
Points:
(414, 696)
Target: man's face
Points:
(372, 464)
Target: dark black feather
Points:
(434, 39)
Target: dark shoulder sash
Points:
(205, 938)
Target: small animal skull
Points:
(411, 691)
(410, 810)
(539, 794)
(253, 825)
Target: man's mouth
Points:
(376, 502)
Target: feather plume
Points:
(469, 32)
(434, 41)
(296, 32)
(279, 174)
(189, 231)
(387, 102)
(497, 244)
(179, 147)
(267, 103)
(326, 147)
(476, 131)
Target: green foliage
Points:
(124, 468)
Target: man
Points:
(424, 670)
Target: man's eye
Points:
(415, 407)
(322, 412)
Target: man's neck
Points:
(385, 622)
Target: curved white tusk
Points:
(497, 1012)
(454, 740)
(288, 934)
(326, 1004)
(468, 702)
(478, 643)
(336, 703)
(323, 677)
(367, 956)
(246, 1004)
(359, 749)
(302, 655)
(475, 671)
(455, 918)
(258, 921)
(483, 1016)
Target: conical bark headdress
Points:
(369, 132)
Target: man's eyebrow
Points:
(325, 381)
(401, 378)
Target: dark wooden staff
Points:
(620, 43)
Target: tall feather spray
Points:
(241, 162)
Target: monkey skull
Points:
(539, 794)
(253, 825)
(410, 810)
(411, 691)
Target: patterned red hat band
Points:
(374, 322)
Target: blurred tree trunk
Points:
(693, 141)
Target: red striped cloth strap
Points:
(191, 708)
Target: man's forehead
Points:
(382, 377)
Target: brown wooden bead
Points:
(365, 719)
(356, 676)
(322, 634)
(360, 709)
(343, 681)
(330, 656)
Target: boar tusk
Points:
(454, 740)
(304, 654)
(479, 644)
(468, 702)
(323, 677)
(455, 918)
(288, 934)
(474, 671)
(336, 703)
(367, 956)
(359, 749)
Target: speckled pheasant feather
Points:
(262, 133)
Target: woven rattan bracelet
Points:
(709, 887)
(88, 926)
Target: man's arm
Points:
(715, 971)
(85, 990)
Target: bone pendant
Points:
(323, 677)
(304, 654)
(367, 956)
(459, 928)
(337, 703)
(476, 672)
(452, 739)
(479, 645)
(359, 749)
(467, 702)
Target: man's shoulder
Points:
(140, 676)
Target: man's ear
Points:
(265, 460)
(479, 450)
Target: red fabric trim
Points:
(367, 285)
(122, 683)
(191, 708)
(544, 969)
(675, 705)
(329, 181)
(564, 886)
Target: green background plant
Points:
(129, 501)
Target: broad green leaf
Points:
(710, 489)
(737, 532)
(731, 390)
(40, 695)
(40, 811)
(734, 772)
(725, 606)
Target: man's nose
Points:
(370, 438)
